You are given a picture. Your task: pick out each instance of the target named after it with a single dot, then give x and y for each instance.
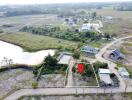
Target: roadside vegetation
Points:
(98, 65)
(114, 96)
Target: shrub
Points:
(34, 84)
(98, 65)
(1, 31)
(76, 55)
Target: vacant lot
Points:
(35, 42)
(126, 49)
(20, 78)
(14, 79)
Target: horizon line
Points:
(64, 3)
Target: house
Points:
(116, 55)
(70, 22)
(64, 58)
(123, 72)
(104, 75)
(90, 49)
(86, 27)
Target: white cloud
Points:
(50, 1)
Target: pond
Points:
(15, 54)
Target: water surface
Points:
(18, 56)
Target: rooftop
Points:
(104, 71)
(64, 59)
(123, 71)
(105, 78)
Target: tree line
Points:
(67, 34)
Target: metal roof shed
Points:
(104, 71)
(123, 72)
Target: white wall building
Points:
(123, 72)
(64, 58)
(104, 75)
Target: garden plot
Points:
(84, 75)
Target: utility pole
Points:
(83, 92)
(126, 86)
(97, 92)
(111, 93)
(76, 91)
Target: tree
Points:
(107, 36)
(98, 65)
(76, 55)
(94, 15)
(50, 61)
(1, 31)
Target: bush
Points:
(1, 31)
(34, 84)
(98, 65)
(76, 55)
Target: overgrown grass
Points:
(128, 44)
(123, 50)
(30, 42)
(119, 64)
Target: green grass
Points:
(123, 50)
(98, 43)
(128, 44)
(119, 64)
(30, 42)
(114, 13)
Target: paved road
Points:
(70, 91)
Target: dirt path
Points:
(70, 75)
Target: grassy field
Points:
(32, 42)
(114, 13)
(29, 20)
(120, 27)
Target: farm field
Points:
(114, 13)
(30, 42)
(120, 27)
(18, 22)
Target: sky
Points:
(10, 2)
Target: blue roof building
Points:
(90, 49)
(116, 55)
